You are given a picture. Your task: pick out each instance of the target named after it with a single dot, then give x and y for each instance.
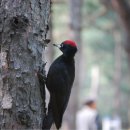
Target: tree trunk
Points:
(122, 7)
(23, 29)
(50, 49)
(75, 34)
(117, 73)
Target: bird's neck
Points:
(68, 58)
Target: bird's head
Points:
(68, 47)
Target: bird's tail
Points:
(52, 116)
(56, 114)
(47, 122)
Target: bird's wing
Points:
(59, 85)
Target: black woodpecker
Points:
(59, 82)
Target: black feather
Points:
(59, 82)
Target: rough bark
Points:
(23, 29)
(75, 34)
(50, 48)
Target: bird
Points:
(59, 82)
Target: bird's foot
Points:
(41, 73)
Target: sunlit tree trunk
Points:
(23, 30)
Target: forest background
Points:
(100, 30)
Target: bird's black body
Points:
(59, 86)
(59, 83)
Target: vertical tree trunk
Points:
(117, 73)
(122, 7)
(75, 34)
(23, 29)
(50, 49)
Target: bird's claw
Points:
(41, 73)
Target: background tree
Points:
(23, 30)
(75, 25)
(123, 10)
(118, 72)
(99, 47)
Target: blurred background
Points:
(101, 28)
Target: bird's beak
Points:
(57, 45)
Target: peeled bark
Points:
(23, 29)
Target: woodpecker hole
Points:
(15, 21)
(19, 22)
